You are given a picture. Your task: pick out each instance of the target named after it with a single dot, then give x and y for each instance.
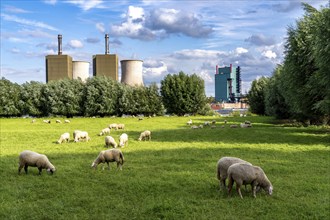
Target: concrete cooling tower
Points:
(131, 72)
(80, 69)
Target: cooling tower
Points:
(80, 69)
(131, 72)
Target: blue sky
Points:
(169, 36)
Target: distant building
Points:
(228, 84)
(58, 67)
(106, 65)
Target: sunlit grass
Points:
(171, 177)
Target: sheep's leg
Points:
(26, 169)
(108, 165)
(40, 169)
(19, 169)
(230, 186)
(238, 188)
(254, 189)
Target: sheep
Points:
(46, 121)
(222, 168)
(144, 135)
(225, 121)
(58, 121)
(33, 121)
(121, 126)
(213, 122)
(233, 126)
(110, 141)
(207, 123)
(243, 173)
(123, 140)
(105, 131)
(189, 122)
(243, 125)
(78, 135)
(33, 159)
(194, 127)
(213, 126)
(114, 125)
(200, 126)
(66, 121)
(64, 137)
(107, 156)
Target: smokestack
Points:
(59, 37)
(107, 44)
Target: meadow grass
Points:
(173, 176)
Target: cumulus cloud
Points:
(159, 23)
(27, 22)
(86, 5)
(260, 40)
(269, 54)
(75, 44)
(240, 50)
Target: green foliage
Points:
(183, 94)
(30, 98)
(171, 177)
(256, 95)
(9, 98)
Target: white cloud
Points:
(13, 9)
(23, 21)
(87, 4)
(50, 2)
(269, 54)
(240, 50)
(100, 27)
(75, 44)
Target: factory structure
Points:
(62, 66)
(228, 84)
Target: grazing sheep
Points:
(110, 141)
(200, 126)
(46, 121)
(123, 140)
(64, 137)
(247, 122)
(225, 121)
(75, 133)
(121, 126)
(222, 168)
(207, 123)
(145, 135)
(115, 126)
(233, 126)
(194, 127)
(213, 122)
(81, 135)
(243, 173)
(33, 159)
(105, 131)
(107, 156)
(66, 121)
(58, 121)
(33, 121)
(189, 122)
(243, 125)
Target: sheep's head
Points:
(270, 190)
(51, 170)
(94, 165)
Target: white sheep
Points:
(123, 140)
(194, 127)
(121, 126)
(207, 123)
(29, 158)
(110, 141)
(105, 131)
(66, 121)
(189, 122)
(64, 137)
(79, 135)
(107, 156)
(58, 121)
(222, 168)
(243, 173)
(243, 125)
(46, 121)
(145, 135)
(233, 126)
(114, 125)
(33, 121)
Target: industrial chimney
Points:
(59, 37)
(107, 44)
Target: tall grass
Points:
(171, 177)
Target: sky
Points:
(192, 36)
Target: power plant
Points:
(62, 66)
(228, 84)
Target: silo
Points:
(131, 72)
(80, 69)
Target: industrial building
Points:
(228, 84)
(62, 66)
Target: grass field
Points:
(171, 177)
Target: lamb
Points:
(79, 135)
(110, 141)
(123, 140)
(64, 137)
(107, 156)
(105, 131)
(121, 126)
(144, 135)
(33, 159)
(115, 126)
(189, 122)
(243, 173)
(222, 168)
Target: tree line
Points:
(102, 96)
(299, 88)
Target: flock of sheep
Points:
(232, 168)
(246, 124)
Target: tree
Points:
(183, 94)
(30, 98)
(256, 95)
(9, 98)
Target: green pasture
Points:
(173, 176)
